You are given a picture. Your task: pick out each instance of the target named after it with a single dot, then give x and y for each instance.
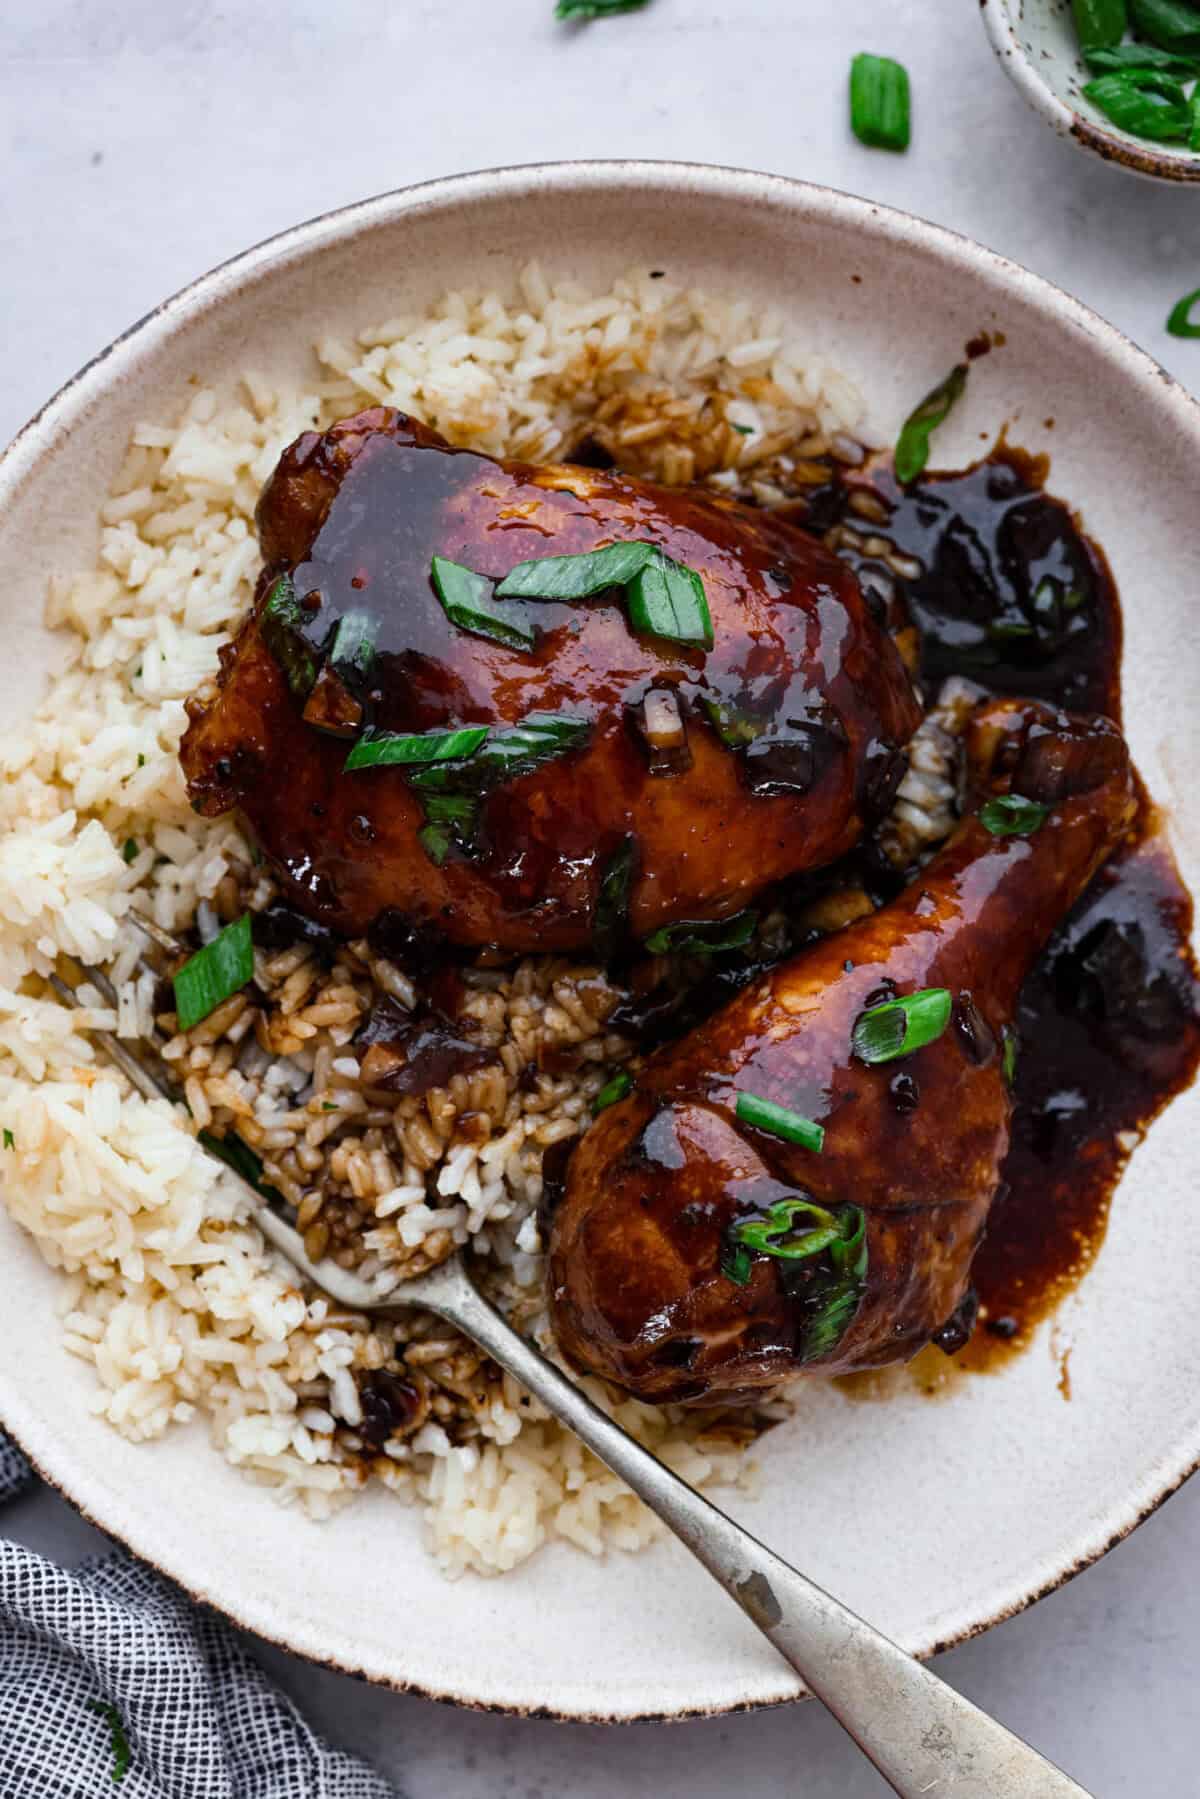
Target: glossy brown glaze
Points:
(638, 1290)
(1109, 1030)
(1099, 1059)
(356, 516)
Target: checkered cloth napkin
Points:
(112, 1680)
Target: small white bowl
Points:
(1039, 51)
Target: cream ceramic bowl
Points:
(1038, 49)
(934, 1518)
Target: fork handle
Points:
(923, 1737)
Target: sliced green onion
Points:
(452, 820)
(122, 1754)
(665, 598)
(576, 577)
(612, 1091)
(1099, 23)
(734, 728)
(1181, 322)
(1111, 60)
(213, 973)
(437, 842)
(774, 1233)
(380, 749)
(353, 654)
(282, 627)
(778, 1121)
(668, 600)
(1010, 815)
(912, 445)
(1143, 102)
(901, 1026)
(879, 102)
(129, 849)
(239, 1156)
(596, 9)
(737, 1264)
(9, 1140)
(509, 751)
(703, 939)
(836, 1298)
(611, 920)
(1167, 22)
(467, 602)
(1194, 129)
(1008, 1062)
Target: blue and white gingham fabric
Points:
(201, 1718)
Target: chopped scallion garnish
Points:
(9, 1139)
(1169, 23)
(451, 822)
(282, 626)
(509, 751)
(596, 9)
(826, 1261)
(239, 1156)
(617, 1089)
(1140, 56)
(703, 938)
(353, 654)
(734, 728)
(665, 598)
(611, 920)
(912, 445)
(778, 1121)
(880, 105)
(1009, 815)
(1144, 102)
(213, 973)
(901, 1026)
(122, 1754)
(467, 602)
(1181, 323)
(1099, 23)
(668, 600)
(382, 749)
(1008, 1062)
(129, 849)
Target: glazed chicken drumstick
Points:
(700, 1252)
(650, 773)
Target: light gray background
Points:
(142, 141)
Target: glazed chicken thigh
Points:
(689, 777)
(699, 1256)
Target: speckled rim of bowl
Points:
(19, 465)
(1158, 162)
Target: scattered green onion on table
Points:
(1181, 323)
(596, 9)
(880, 102)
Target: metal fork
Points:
(922, 1736)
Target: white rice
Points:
(168, 1291)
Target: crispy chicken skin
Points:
(355, 516)
(637, 1288)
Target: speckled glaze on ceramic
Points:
(1038, 48)
(934, 1518)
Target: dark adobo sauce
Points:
(1013, 595)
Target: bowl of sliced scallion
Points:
(1121, 78)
